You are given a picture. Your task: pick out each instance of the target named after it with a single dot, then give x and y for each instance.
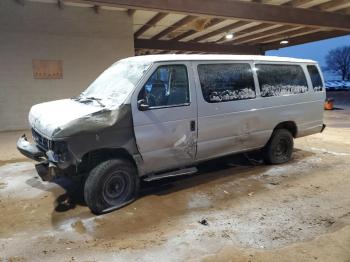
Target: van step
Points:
(181, 172)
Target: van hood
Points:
(50, 118)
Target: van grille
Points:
(41, 141)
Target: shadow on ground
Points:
(207, 172)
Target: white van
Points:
(157, 116)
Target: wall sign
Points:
(47, 69)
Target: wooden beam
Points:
(131, 12)
(222, 30)
(285, 36)
(256, 29)
(178, 24)
(266, 33)
(243, 10)
(250, 31)
(60, 4)
(196, 47)
(96, 9)
(333, 5)
(212, 22)
(297, 3)
(305, 39)
(154, 20)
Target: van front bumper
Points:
(46, 169)
(29, 150)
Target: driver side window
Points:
(168, 86)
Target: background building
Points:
(52, 49)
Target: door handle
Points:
(193, 125)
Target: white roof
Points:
(189, 57)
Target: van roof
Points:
(175, 57)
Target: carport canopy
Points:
(228, 26)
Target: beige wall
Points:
(86, 42)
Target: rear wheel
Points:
(279, 148)
(112, 184)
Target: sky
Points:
(315, 51)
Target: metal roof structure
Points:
(202, 26)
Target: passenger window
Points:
(279, 80)
(167, 86)
(315, 78)
(226, 82)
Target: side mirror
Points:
(142, 105)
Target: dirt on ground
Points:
(234, 209)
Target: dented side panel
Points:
(163, 135)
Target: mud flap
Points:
(46, 170)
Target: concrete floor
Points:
(296, 211)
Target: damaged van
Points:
(151, 117)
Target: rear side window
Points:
(226, 82)
(279, 80)
(315, 78)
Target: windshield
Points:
(113, 86)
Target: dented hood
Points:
(51, 117)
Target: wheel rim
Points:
(115, 188)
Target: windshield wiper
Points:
(98, 100)
(91, 98)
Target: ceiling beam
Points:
(60, 4)
(243, 10)
(305, 39)
(266, 33)
(196, 47)
(286, 35)
(299, 3)
(333, 5)
(96, 9)
(152, 22)
(249, 31)
(223, 30)
(212, 22)
(131, 12)
(178, 24)
(328, 6)
(280, 29)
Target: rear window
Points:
(279, 80)
(226, 82)
(315, 78)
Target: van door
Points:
(166, 131)
(226, 108)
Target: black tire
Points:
(279, 148)
(113, 183)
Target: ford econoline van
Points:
(150, 117)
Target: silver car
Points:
(158, 116)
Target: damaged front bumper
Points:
(46, 169)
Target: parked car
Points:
(150, 117)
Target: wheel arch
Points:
(288, 125)
(94, 157)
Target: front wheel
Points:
(279, 148)
(110, 185)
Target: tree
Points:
(338, 62)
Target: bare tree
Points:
(338, 62)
